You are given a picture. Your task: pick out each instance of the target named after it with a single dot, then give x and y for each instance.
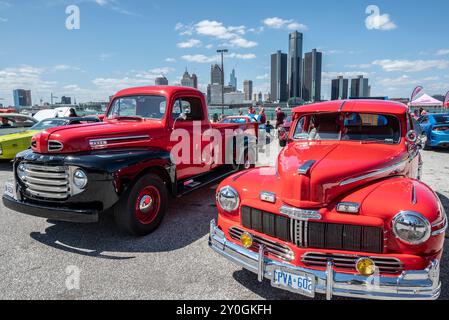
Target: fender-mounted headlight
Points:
(80, 179)
(411, 227)
(228, 199)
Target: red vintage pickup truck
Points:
(343, 213)
(154, 142)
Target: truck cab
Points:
(154, 142)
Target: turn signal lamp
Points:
(247, 240)
(348, 207)
(366, 266)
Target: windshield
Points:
(47, 124)
(16, 122)
(348, 127)
(146, 107)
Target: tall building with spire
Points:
(295, 64)
(189, 80)
(233, 80)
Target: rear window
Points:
(442, 119)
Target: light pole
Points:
(222, 52)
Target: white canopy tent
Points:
(426, 101)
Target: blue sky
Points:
(397, 44)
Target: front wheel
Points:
(142, 209)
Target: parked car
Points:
(343, 213)
(15, 123)
(237, 119)
(12, 144)
(61, 112)
(435, 129)
(128, 163)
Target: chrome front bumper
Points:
(410, 285)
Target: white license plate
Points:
(301, 282)
(10, 190)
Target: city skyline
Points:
(91, 63)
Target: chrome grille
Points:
(348, 262)
(46, 182)
(275, 249)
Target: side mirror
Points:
(411, 137)
(181, 117)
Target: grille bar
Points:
(319, 235)
(348, 262)
(46, 182)
(275, 249)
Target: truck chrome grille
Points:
(318, 235)
(275, 249)
(348, 262)
(46, 182)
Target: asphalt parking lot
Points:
(36, 256)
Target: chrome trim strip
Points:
(329, 280)
(305, 168)
(59, 147)
(300, 214)
(414, 196)
(261, 265)
(442, 230)
(374, 173)
(120, 138)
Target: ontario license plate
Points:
(301, 282)
(10, 190)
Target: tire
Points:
(143, 207)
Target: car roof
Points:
(74, 119)
(13, 115)
(364, 106)
(157, 90)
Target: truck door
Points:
(188, 117)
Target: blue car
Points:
(436, 130)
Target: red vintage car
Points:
(154, 142)
(343, 213)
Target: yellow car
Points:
(12, 144)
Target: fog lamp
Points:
(366, 266)
(247, 240)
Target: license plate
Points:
(10, 190)
(301, 282)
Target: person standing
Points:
(280, 117)
(263, 117)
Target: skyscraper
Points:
(66, 100)
(360, 87)
(248, 89)
(339, 88)
(233, 80)
(312, 76)
(161, 81)
(279, 88)
(187, 80)
(22, 98)
(195, 80)
(295, 64)
(215, 74)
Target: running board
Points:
(189, 185)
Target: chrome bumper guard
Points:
(410, 285)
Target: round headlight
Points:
(21, 171)
(411, 228)
(228, 199)
(80, 179)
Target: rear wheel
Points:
(142, 208)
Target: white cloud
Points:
(217, 31)
(377, 21)
(192, 43)
(201, 58)
(442, 52)
(265, 76)
(3, 19)
(359, 66)
(170, 60)
(279, 23)
(411, 65)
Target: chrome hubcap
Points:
(145, 204)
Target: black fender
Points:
(110, 172)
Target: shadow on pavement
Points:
(186, 222)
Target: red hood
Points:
(334, 164)
(77, 138)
